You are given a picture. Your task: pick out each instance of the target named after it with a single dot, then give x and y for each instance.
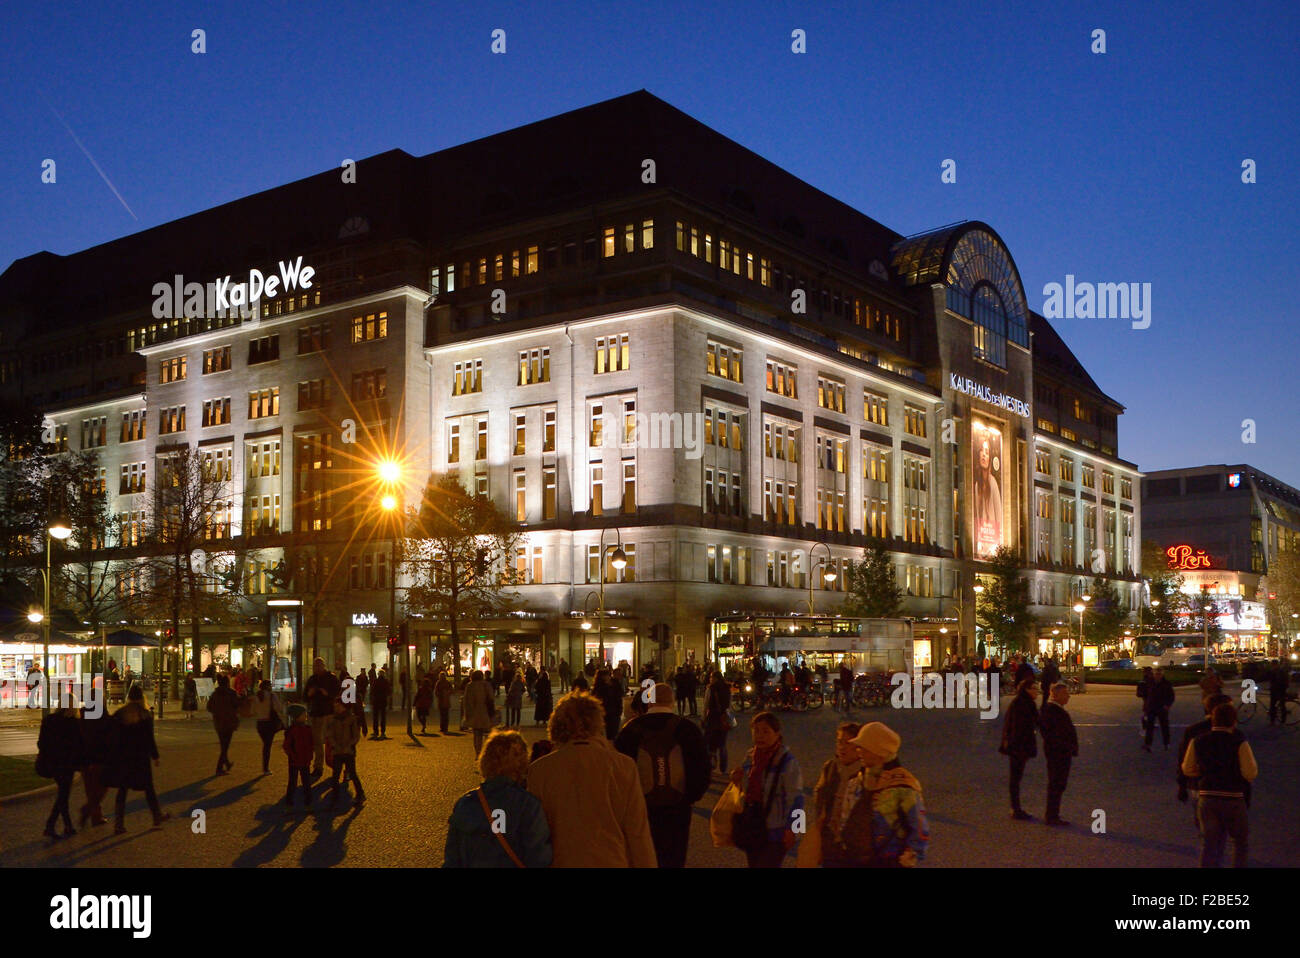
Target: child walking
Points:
(342, 734)
(299, 747)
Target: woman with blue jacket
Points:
(772, 785)
(500, 824)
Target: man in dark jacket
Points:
(321, 690)
(1049, 677)
(674, 766)
(1019, 743)
(1189, 735)
(1223, 765)
(1279, 677)
(381, 689)
(363, 686)
(223, 703)
(1060, 746)
(1160, 696)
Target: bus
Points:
(1167, 649)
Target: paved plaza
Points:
(411, 785)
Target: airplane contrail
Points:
(98, 170)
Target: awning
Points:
(125, 637)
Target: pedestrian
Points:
(844, 691)
(1211, 683)
(1060, 747)
(405, 684)
(442, 692)
(499, 824)
(299, 745)
(1159, 698)
(1189, 735)
(363, 686)
(1051, 674)
(1019, 743)
(673, 763)
(223, 703)
(342, 733)
(60, 755)
(190, 697)
(717, 721)
(565, 674)
(1143, 689)
(828, 798)
(543, 700)
(35, 682)
(882, 821)
(611, 696)
(1279, 677)
(321, 689)
(131, 748)
(268, 712)
(424, 702)
(530, 682)
(579, 683)
(1223, 764)
(772, 785)
(94, 736)
(591, 793)
(380, 691)
(514, 699)
(478, 708)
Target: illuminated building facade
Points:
(668, 344)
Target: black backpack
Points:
(659, 762)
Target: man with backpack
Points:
(673, 762)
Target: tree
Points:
(458, 539)
(1164, 586)
(1204, 618)
(1103, 621)
(872, 586)
(1283, 591)
(1003, 610)
(85, 580)
(25, 504)
(189, 511)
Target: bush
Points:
(1134, 676)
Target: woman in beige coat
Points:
(590, 792)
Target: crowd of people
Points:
(622, 766)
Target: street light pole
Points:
(55, 530)
(619, 562)
(829, 576)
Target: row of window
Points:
(1088, 474)
(526, 260)
(731, 258)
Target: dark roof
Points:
(592, 154)
(1051, 352)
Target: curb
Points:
(25, 796)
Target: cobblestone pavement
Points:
(411, 784)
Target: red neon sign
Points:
(1184, 557)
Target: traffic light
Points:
(397, 643)
(664, 637)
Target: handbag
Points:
(722, 819)
(809, 854)
(44, 765)
(505, 844)
(749, 830)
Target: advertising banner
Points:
(986, 455)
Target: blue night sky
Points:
(1124, 167)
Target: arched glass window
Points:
(990, 321)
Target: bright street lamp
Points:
(829, 576)
(619, 561)
(390, 474)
